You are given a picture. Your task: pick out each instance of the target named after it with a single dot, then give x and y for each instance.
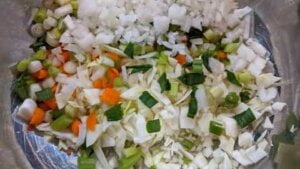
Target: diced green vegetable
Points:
(139, 68)
(231, 100)
(53, 71)
(40, 15)
(211, 36)
(62, 123)
(186, 160)
(245, 118)
(129, 50)
(86, 163)
(56, 113)
(153, 126)
(147, 99)
(245, 77)
(187, 144)
(23, 65)
(40, 54)
(216, 128)
(71, 111)
(193, 105)
(129, 162)
(174, 89)
(205, 59)
(197, 66)
(118, 82)
(191, 79)
(21, 86)
(231, 78)
(164, 83)
(231, 47)
(245, 96)
(160, 48)
(115, 113)
(44, 95)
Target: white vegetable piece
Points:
(241, 158)
(98, 72)
(63, 11)
(70, 67)
(48, 83)
(26, 109)
(203, 123)
(69, 22)
(37, 30)
(185, 121)
(35, 66)
(245, 140)
(256, 67)
(33, 89)
(245, 52)
(161, 24)
(200, 161)
(218, 155)
(107, 61)
(256, 155)
(105, 38)
(268, 124)
(257, 47)
(92, 136)
(216, 66)
(168, 166)
(266, 80)
(82, 131)
(226, 163)
(49, 23)
(141, 134)
(231, 127)
(266, 95)
(226, 144)
(278, 106)
(92, 96)
(132, 93)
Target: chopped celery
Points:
(245, 118)
(197, 66)
(47, 63)
(211, 35)
(174, 89)
(57, 113)
(216, 128)
(40, 54)
(129, 162)
(245, 77)
(23, 65)
(62, 123)
(118, 82)
(71, 111)
(40, 15)
(74, 4)
(53, 71)
(231, 47)
(138, 50)
(187, 144)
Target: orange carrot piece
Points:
(44, 106)
(181, 59)
(115, 57)
(37, 117)
(112, 73)
(66, 55)
(91, 121)
(221, 55)
(41, 74)
(51, 103)
(110, 96)
(75, 127)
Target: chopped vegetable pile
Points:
(165, 84)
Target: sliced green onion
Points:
(231, 78)
(205, 58)
(57, 113)
(40, 54)
(147, 99)
(44, 95)
(245, 118)
(197, 66)
(245, 96)
(53, 71)
(245, 77)
(153, 126)
(193, 106)
(129, 162)
(115, 113)
(40, 15)
(86, 163)
(187, 144)
(216, 128)
(71, 111)
(139, 68)
(211, 36)
(174, 89)
(164, 83)
(231, 100)
(129, 50)
(23, 65)
(231, 47)
(191, 79)
(118, 82)
(62, 123)
(186, 160)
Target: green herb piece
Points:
(139, 68)
(23, 65)
(21, 86)
(193, 105)
(147, 99)
(57, 113)
(164, 83)
(197, 66)
(61, 123)
(153, 167)
(231, 100)
(129, 162)
(187, 144)
(245, 96)
(44, 95)
(153, 126)
(115, 113)
(191, 79)
(40, 15)
(86, 163)
(129, 50)
(216, 128)
(245, 118)
(231, 78)
(231, 47)
(205, 58)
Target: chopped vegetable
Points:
(153, 126)
(115, 57)
(180, 59)
(245, 96)
(193, 105)
(118, 82)
(41, 74)
(147, 99)
(245, 77)
(192, 34)
(37, 117)
(163, 59)
(164, 83)
(231, 78)
(101, 83)
(130, 161)
(221, 55)
(110, 96)
(174, 89)
(86, 163)
(231, 100)
(130, 151)
(53, 71)
(40, 15)
(197, 66)
(216, 128)
(91, 121)
(231, 47)
(40, 54)
(129, 51)
(191, 79)
(187, 144)
(57, 113)
(51, 103)
(139, 68)
(205, 58)
(61, 123)
(23, 65)
(44, 95)
(211, 36)
(75, 127)
(22, 86)
(115, 113)
(245, 118)
(71, 111)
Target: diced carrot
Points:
(37, 117)
(102, 83)
(181, 59)
(41, 74)
(51, 103)
(75, 127)
(110, 96)
(221, 55)
(66, 55)
(91, 121)
(44, 106)
(112, 73)
(115, 57)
